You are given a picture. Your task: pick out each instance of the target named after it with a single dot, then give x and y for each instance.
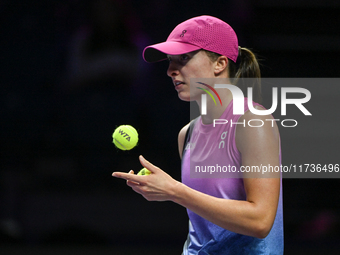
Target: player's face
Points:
(190, 65)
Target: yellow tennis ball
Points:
(125, 137)
(144, 171)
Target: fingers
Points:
(131, 178)
(130, 183)
(127, 176)
(147, 164)
(122, 175)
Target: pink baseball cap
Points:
(202, 32)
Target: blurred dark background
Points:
(72, 72)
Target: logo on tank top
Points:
(222, 142)
(190, 146)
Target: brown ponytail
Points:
(246, 66)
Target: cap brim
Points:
(158, 52)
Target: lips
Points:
(177, 83)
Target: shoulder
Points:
(183, 131)
(181, 136)
(256, 131)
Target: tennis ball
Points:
(125, 137)
(144, 171)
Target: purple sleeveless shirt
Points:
(210, 154)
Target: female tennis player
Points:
(226, 215)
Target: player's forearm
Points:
(243, 217)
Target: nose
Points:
(172, 70)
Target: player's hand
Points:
(158, 186)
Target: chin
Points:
(186, 99)
(184, 96)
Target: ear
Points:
(220, 65)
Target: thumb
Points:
(147, 164)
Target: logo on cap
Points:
(183, 32)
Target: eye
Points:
(184, 57)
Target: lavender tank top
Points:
(215, 147)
